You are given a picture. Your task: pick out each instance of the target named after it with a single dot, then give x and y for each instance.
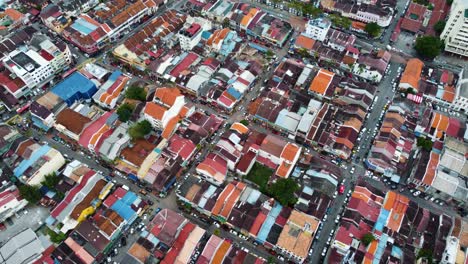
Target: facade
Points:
(461, 97)
(11, 202)
(455, 33)
(317, 28)
(191, 34)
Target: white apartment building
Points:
(461, 97)
(455, 33)
(190, 35)
(37, 63)
(317, 28)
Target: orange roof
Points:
(389, 201)
(222, 198)
(304, 42)
(440, 123)
(217, 36)
(154, 110)
(449, 94)
(283, 169)
(183, 111)
(412, 73)
(247, 18)
(398, 211)
(321, 81)
(13, 14)
(289, 152)
(345, 142)
(358, 25)
(221, 252)
(170, 127)
(429, 175)
(98, 134)
(167, 96)
(239, 128)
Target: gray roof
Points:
(24, 247)
(115, 142)
(464, 83)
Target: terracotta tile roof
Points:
(240, 128)
(431, 168)
(14, 14)
(138, 152)
(290, 151)
(154, 110)
(440, 123)
(412, 73)
(304, 42)
(167, 96)
(321, 82)
(73, 121)
(358, 25)
(169, 129)
(218, 36)
(449, 94)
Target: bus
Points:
(24, 108)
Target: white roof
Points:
(24, 247)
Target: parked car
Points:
(416, 193)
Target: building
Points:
(71, 123)
(11, 202)
(165, 110)
(297, 235)
(42, 117)
(24, 247)
(461, 97)
(33, 162)
(53, 18)
(111, 91)
(191, 34)
(455, 33)
(108, 21)
(411, 75)
(317, 29)
(380, 11)
(112, 146)
(36, 64)
(74, 88)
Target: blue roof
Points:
(74, 88)
(206, 34)
(234, 93)
(26, 163)
(83, 26)
(115, 75)
(383, 216)
(269, 222)
(123, 206)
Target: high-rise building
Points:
(455, 33)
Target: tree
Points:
(339, 21)
(136, 93)
(439, 26)
(244, 122)
(56, 238)
(269, 54)
(140, 129)
(283, 191)
(309, 9)
(226, 23)
(428, 46)
(30, 193)
(373, 29)
(449, 2)
(424, 143)
(367, 239)
(303, 52)
(217, 232)
(125, 112)
(51, 180)
(425, 253)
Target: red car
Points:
(341, 189)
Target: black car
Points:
(149, 189)
(393, 187)
(123, 241)
(150, 202)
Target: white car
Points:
(416, 193)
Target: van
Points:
(125, 187)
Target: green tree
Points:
(56, 238)
(125, 112)
(140, 129)
(303, 52)
(30, 193)
(449, 2)
(226, 23)
(309, 9)
(439, 26)
(283, 191)
(424, 143)
(428, 46)
(373, 29)
(51, 180)
(425, 253)
(339, 21)
(244, 122)
(269, 54)
(367, 239)
(217, 232)
(136, 93)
